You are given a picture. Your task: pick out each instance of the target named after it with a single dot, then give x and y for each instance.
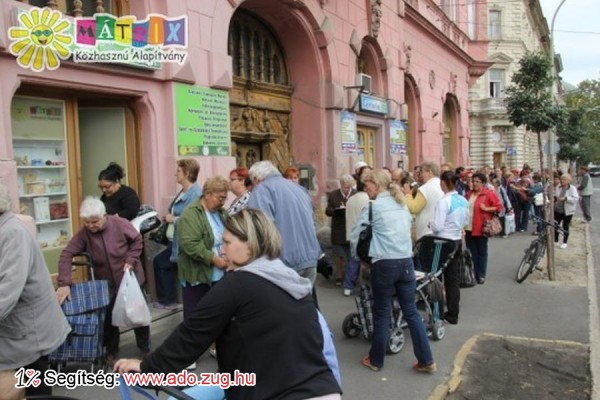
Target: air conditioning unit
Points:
(364, 80)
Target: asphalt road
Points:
(500, 306)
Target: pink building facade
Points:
(296, 76)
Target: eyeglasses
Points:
(106, 187)
(221, 198)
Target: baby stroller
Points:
(432, 256)
(85, 312)
(362, 321)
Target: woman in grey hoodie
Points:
(261, 315)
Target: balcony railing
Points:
(492, 104)
(83, 8)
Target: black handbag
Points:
(466, 270)
(160, 234)
(364, 239)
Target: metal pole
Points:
(550, 217)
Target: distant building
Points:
(514, 28)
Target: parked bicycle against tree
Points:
(535, 251)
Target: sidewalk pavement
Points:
(506, 367)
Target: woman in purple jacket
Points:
(115, 247)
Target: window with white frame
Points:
(496, 82)
(495, 32)
(471, 19)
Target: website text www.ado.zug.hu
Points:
(71, 380)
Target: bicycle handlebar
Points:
(554, 225)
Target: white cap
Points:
(360, 164)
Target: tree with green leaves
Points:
(579, 137)
(530, 102)
(529, 99)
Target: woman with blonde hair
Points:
(565, 202)
(392, 270)
(261, 315)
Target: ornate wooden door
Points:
(260, 101)
(247, 154)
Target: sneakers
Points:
(556, 244)
(563, 246)
(347, 292)
(338, 282)
(367, 363)
(429, 369)
(170, 307)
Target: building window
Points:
(471, 19)
(255, 52)
(496, 82)
(366, 144)
(84, 8)
(494, 25)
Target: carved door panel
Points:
(247, 154)
(260, 100)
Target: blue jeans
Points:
(351, 274)
(165, 273)
(478, 246)
(388, 276)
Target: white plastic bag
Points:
(130, 310)
(509, 224)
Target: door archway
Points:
(260, 101)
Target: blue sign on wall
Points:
(373, 104)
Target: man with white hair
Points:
(289, 206)
(423, 204)
(32, 325)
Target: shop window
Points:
(496, 82)
(84, 8)
(255, 53)
(495, 33)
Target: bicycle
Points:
(535, 251)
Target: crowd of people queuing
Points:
(247, 272)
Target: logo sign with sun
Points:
(41, 39)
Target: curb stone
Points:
(594, 319)
(453, 382)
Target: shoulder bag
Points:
(466, 270)
(364, 238)
(492, 226)
(165, 231)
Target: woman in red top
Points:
(483, 203)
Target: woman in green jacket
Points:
(200, 231)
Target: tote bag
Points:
(364, 239)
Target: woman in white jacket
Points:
(565, 202)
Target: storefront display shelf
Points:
(43, 194)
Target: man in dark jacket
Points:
(336, 209)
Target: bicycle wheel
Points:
(527, 265)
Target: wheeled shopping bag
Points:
(85, 313)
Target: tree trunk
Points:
(548, 208)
